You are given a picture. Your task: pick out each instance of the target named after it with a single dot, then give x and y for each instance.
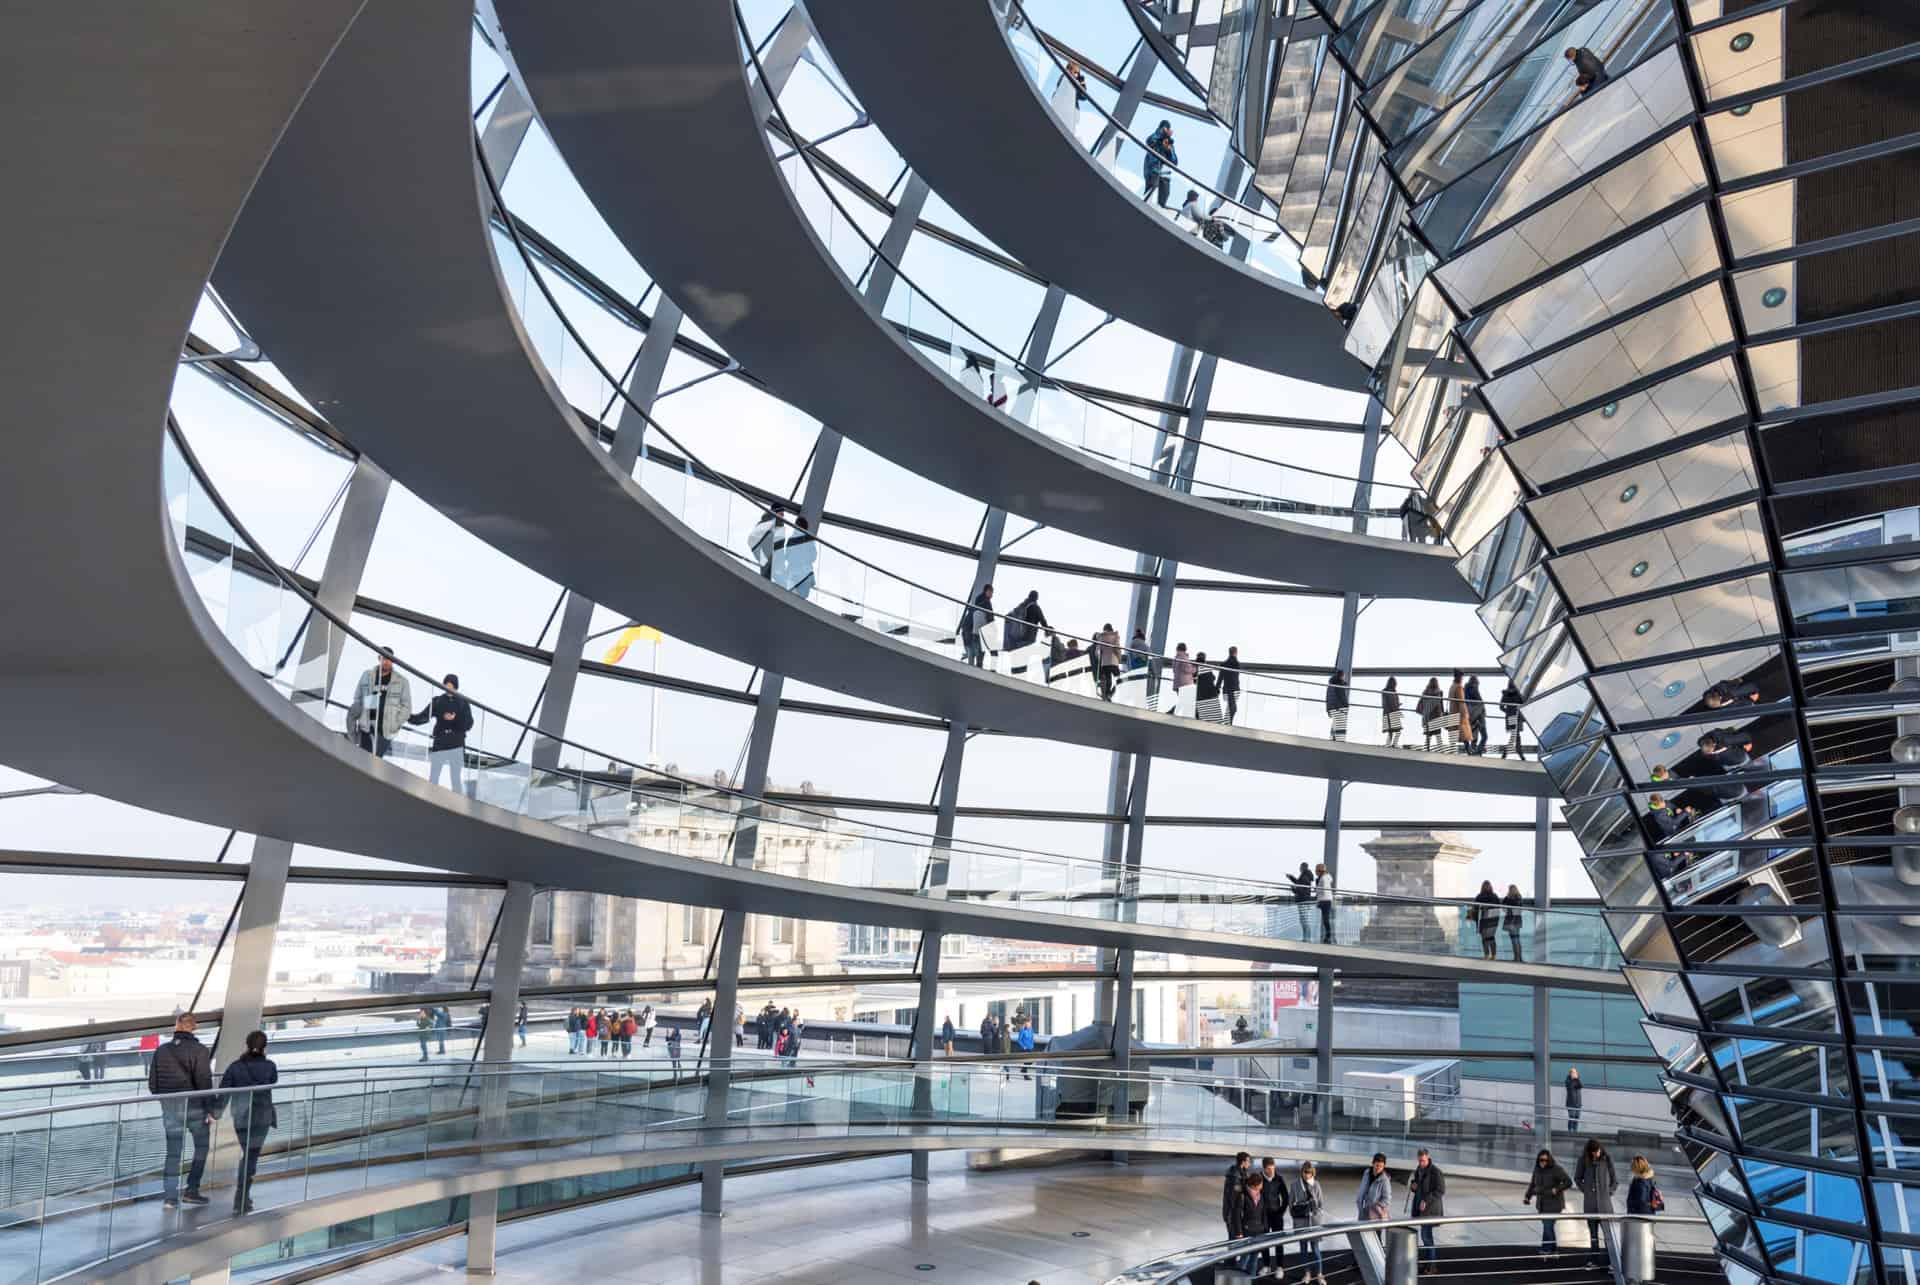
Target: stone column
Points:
(1425, 866)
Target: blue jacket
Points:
(1026, 1039)
(1160, 154)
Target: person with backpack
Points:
(1547, 1189)
(253, 1113)
(184, 1066)
(604, 1030)
(1643, 1194)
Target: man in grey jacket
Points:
(381, 703)
(184, 1065)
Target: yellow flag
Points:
(627, 638)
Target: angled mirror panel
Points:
(1803, 1004)
(1715, 544)
(1885, 1008)
(1816, 1070)
(1789, 1128)
(1647, 492)
(1884, 876)
(1596, 290)
(1681, 1050)
(1658, 339)
(1683, 403)
(1643, 939)
(1643, 184)
(1695, 619)
(1713, 876)
(1729, 940)
(1695, 684)
(1856, 361)
(1878, 943)
(1854, 666)
(1613, 120)
(1523, 608)
(1662, 993)
(1862, 591)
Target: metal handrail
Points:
(1167, 1271)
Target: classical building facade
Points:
(594, 938)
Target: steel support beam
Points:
(1336, 788)
(339, 587)
(1542, 998)
(629, 435)
(496, 1045)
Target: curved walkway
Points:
(427, 1134)
(940, 80)
(406, 339)
(726, 240)
(186, 726)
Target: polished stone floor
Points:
(868, 1224)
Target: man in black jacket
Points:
(1230, 1191)
(1574, 1088)
(184, 1066)
(452, 717)
(1427, 1198)
(1273, 1203)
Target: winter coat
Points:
(1025, 624)
(1427, 1192)
(1106, 649)
(1574, 1086)
(184, 1065)
(393, 714)
(1160, 153)
(1513, 903)
(1206, 685)
(1336, 696)
(1431, 707)
(1236, 1183)
(1230, 675)
(1641, 1193)
(1302, 886)
(253, 1113)
(975, 615)
(1374, 1200)
(1486, 912)
(1596, 1181)
(1305, 1202)
(1247, 1216)
(1182, 672)
(448, 733)
(1547, 1189)
(1390, 702)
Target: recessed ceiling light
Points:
(1742, 109)
(1741, 43)
(1773, 298)
(1639, 569)
(1674, 688)
(1628, 492)
(1670, 740)
(1643, 626)
(1609, 410)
